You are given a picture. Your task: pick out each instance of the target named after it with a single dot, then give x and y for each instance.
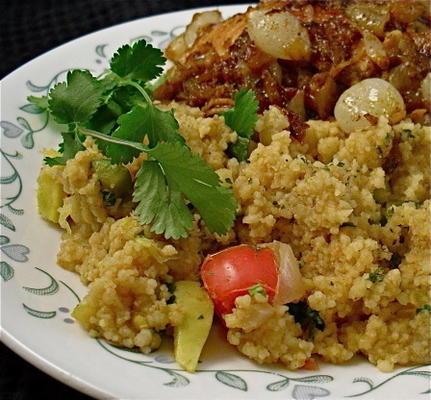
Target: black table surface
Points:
(30, 28)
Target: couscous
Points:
(318, 196)
(346, 197)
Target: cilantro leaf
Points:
(142, 120)
(127, 97)
(70, 146)
(77, 100)
(160, 126)
(120, 103)
(188, 174)
(140, 61)
(105, 118)
(159, 205)
(40, 102)
(243, 116)
(239, 149)
(109, 82)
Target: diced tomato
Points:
(310, 365)
(232, 272)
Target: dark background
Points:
(28, 29)
(31, 27)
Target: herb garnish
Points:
(425, 307)
(257, 289)
(308, 318)
(395, 261)
(351, 224)
(108, 198)
(69, 147)
(118, 112)
(376, 276)
(241, 119)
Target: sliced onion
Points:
(321, 93)
(362, 104)
(279, 34)
(290, 286)
(369, 16)
(225, 34)
(177, 49)
(426, 88)
(199, 21)
(375, 50)
(297, 105)
(408, 11)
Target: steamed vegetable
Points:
(362, 104)
(50, 195)
(113, 178)
(426, 89)
(235, 271)
(191, 334)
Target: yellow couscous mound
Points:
(353, 207)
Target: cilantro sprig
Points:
(242, 119)
(118, 112)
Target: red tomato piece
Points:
(310, 365)
(232, 272)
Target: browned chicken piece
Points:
(301, 55)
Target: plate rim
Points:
(10, 341)
(82, 384)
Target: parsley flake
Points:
(376, 276)
(308, 318)
(395, 261)
(350, 224)
(425, 307)
(108, 198)
(257, 289)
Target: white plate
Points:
(37, 296)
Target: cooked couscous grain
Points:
(365, 261)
